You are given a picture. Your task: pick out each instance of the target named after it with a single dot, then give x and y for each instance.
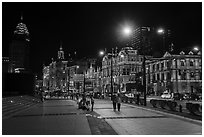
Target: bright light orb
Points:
(101, 53)
(161, 31)
(122, 56)
(127, 31)
(195, 48)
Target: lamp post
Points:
(162, 32)
(84, 82)
(122, 56)
(68, 79)
(111, 63)
(144, 79)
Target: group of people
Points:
(86, 103)
(116, 99)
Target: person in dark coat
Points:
(92, 103)
(119, 102)
(114, 100)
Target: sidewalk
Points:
(53, 117)
(134, 120)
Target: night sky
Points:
(88, 27)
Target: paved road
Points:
(135, 120)
(61, 117)
(55, 117)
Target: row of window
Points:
(181, 76)
(164, 65)
(133, 59)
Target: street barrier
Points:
(164, 104)
(193, 108)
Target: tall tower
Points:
(146, 40)
(141, 40)
(19, 49)
(61, 53)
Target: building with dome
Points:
(19, 49)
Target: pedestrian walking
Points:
(114, 100)
(77, 96)
(42, 97)
(119, 102)
(92, 103)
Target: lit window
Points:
(192, 74)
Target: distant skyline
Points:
(89, 27)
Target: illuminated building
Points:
(177, 73)
(125, 66)
(55, 75)
(63, 75)
(19, 49)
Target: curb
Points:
(166, 113)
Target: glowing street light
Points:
(122, 56)
(196, 49)
(160, 31)
(127, 31)
(101, 53)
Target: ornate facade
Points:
(55, 76)
(178, 73)
(125, 66)
(63, 75)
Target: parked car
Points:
(186, 96)
(130, 95)
(194, 96)
(178, 96)
(191, 96)
(166, 95)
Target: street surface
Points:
(135, 120)
(54, 117)
(62, 117)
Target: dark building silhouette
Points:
(19, 49)
(17, 78)
(5, 64)
(141, 40)
(146, 40)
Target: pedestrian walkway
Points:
(134, 120)
(13, 105)
(52, 117)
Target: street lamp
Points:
(101, 53)
(127, 31)
(162, 32)
(196, 49)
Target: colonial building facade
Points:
(178, 73)
(64, 75)
(55, 75)
(125, 66)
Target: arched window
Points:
(191, 62)
(182, 63)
